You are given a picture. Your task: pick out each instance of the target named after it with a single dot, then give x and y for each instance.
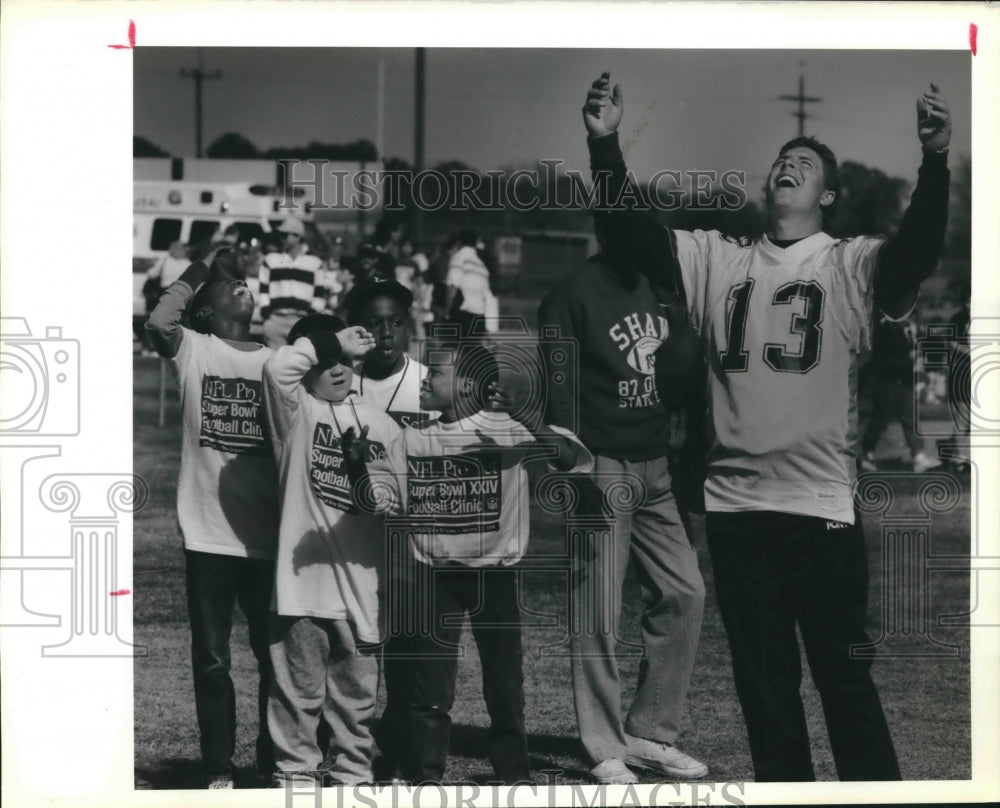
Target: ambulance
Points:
(200, 212)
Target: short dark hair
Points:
(831, 171)
(468, 237)
(314, 324)
(367, 290)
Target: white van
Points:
(196, 212)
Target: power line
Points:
(802, 99)
(199, 75)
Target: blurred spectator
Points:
(170, 267)
(272, 242)
(368, 264)
(291, 284)
(435, 275)
(891, 366)
(960, 379)
(387, 238)
(409, 273)
(468, 282)
(335, 287)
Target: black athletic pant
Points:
(215, 584)
(776, 570)
(489, 597)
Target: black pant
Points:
(490, 598)
(215, 583)
(773, 571)
(392, 729)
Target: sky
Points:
(501, 108)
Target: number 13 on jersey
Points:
(808, 326)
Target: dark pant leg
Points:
(832, 598)
(254, 595)
(905, 401)
(751, 588)
(392, 729)
(878, 420)
(434, 668)
(492, 600)
(211, 598)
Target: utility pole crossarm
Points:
(801, 99)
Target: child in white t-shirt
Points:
(458, 490)
(227, 495)
(326, 617)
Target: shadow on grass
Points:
(547, 753)
(186, 773)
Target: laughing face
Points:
(795, 182)
(232, 300)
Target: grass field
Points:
(926, 699)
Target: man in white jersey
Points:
(782, 320)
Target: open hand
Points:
(933, 120)
(355, 446)
(355, 341)
(603, 109)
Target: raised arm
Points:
(624, 233)
(910, 256)
(561, 451)
(164, 324)
(285, 371)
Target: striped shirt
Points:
(292, 283)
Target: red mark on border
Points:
(973, 33)
(120, 592)
(131, 38)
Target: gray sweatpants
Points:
(319, 669)
(673, 595)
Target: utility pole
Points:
(418, 133)
(801, 99)
(199, 75)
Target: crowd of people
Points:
(359, 503)
(296, 278)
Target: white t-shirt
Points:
(457, 507)
(467, 272)
(784, 328)
(227, 495)
(397, 395)
(331, 558)
(169, 269)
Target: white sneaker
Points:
(220, 781)
(662, 757)
(613, 771)
(868, 462)
(924, 463)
